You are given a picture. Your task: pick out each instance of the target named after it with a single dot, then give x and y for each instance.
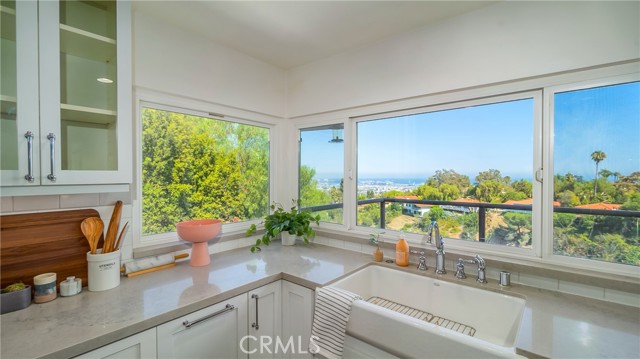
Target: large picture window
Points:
(597, 173)
(201, 167)
(469, 167)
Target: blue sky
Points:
(500, 136)
(605, 119)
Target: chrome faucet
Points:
(439, 246)
(482, 277)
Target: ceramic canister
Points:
(45, 287)
(103, 270)
(71, 286)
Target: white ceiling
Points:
(293, 33)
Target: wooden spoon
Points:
(92, 229)
(115, 248)
(112, 230)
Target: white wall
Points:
(506, 41)
(174, 61)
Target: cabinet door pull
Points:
(187, 324)
(29, 175)
(52, 145)
(255, 324)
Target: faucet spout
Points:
(433, 227)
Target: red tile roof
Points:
(528, 201)
(601, 205)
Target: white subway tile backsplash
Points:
(35, 203)
(6, 205)
(537, 281)
(581, 289)
(79, 200)
(622, 297)
(109, 199)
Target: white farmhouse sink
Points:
(495, 317)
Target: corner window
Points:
(321, 171)
(468, 166)
(198, 166)
(597, 173)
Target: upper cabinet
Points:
(66, 94)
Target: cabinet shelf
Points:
(87, 114)
(81, 43)
(8, 107)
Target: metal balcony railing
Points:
(481, 206)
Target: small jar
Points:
(44, 288)
(70, 286)
(378, 255)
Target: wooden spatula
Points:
(92, 229)
(112, 230)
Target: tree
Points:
(604, 173)
(436, 213)
(597, 157)
(449, 177)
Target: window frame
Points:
(548, 177)
(542, 257)
(536, 97)
(164, 102)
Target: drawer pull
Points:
(255, 324)
(187, 324)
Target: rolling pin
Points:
(150, 262)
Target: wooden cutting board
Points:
(36, 243)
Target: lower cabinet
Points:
(212, 332)
(138, 346)
(265, 321)
(272, 321)
(297, 317)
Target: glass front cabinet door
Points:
(66, 93)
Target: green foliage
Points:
(436, 213)
(449, 177)
(195, 167)
(294, 222)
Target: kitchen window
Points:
(596, 168)
(197, 165)
(321, 171)
(548, 173)
(469, 166)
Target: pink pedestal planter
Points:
(199, 232)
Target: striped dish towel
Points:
(330, 319)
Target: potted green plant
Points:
(294, 222)
(15, 297)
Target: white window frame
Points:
(536, 97)
(547, 254)
(541, 255)
(151, 99)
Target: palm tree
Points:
(597, 157)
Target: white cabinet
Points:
(297, 318)
(265, 321)
(138, 346)
(272, 321)
(212, 332)
(66, 94)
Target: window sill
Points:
(182, 246)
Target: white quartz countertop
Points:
(554, 325)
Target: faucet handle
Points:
(422, 261)
(460, 269)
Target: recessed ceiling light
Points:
(105, 80)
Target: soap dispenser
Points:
(402, 253)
